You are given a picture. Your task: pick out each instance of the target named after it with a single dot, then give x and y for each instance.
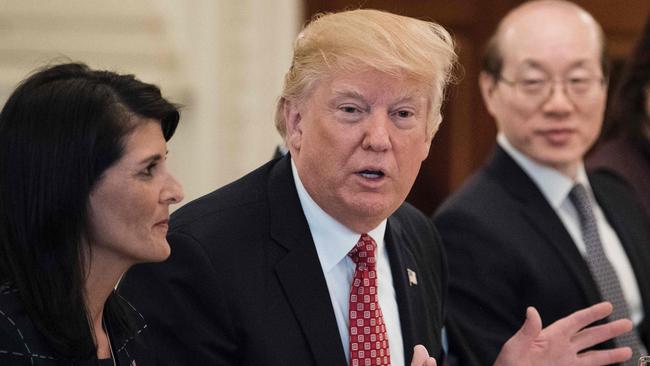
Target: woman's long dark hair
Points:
(59, 131)
(627, 115)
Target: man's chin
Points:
(372, 211)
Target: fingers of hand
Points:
(592, 336)
(605, 357)
(571, 324)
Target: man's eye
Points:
(532, 83)
(404, 114)
(579, 82)
(349, 109)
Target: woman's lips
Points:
(162, 223)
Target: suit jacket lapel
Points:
(299, 272)
(543, 218)
(401, 259)
(630, 229)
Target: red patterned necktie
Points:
(368, 340)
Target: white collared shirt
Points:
(333, 242)
(556, 187)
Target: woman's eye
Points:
(148, 171)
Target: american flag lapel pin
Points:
(413, 278)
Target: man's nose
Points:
(558, 100)
(377, 136)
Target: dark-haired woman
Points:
(84, 195)
(625, 147)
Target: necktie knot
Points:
(363, 253)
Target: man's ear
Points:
(435, 125)
(427, 147)
(487, 83)
(293, 124)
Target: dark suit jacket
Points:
(22, 343)
(244, 285)
(507, 249)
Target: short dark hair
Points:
(60, 130)
(627, 115)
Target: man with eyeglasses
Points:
(531, 227)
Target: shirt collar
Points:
(332, 239)
(554, 185)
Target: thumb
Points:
(421, 357)
(532, 326)
(517, 347)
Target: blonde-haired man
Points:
(314, 258)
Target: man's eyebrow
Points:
(537, 65)
(532, 63)
(579, 63)
(345, 93)
(408, 98)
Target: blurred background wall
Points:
(223, 60)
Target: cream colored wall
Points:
(236, 54)
(222, 59)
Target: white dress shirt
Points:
(333, 242)
(556, 187)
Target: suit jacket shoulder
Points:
(248, 191)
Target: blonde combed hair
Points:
(361, 39)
